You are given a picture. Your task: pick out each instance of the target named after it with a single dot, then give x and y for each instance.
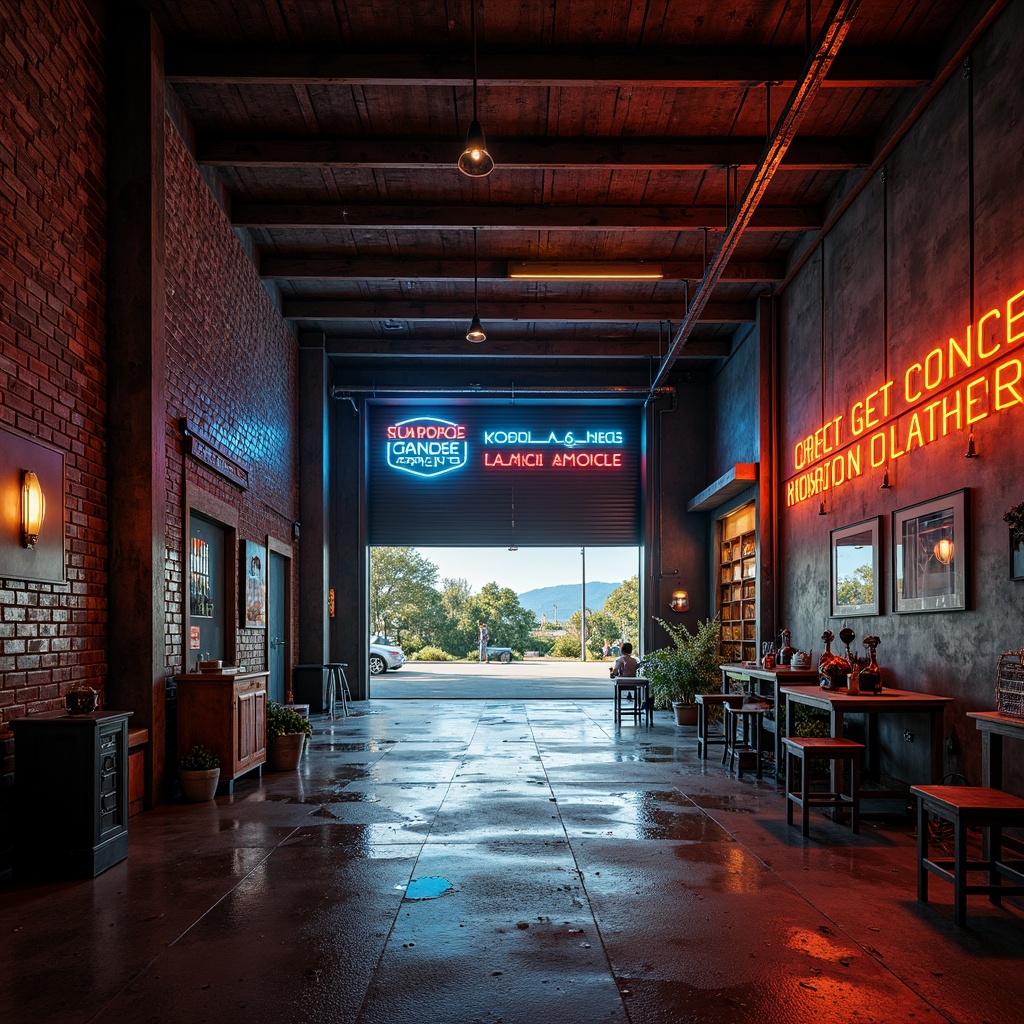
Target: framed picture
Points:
(856, 569)
(930, 557)
(254, 585)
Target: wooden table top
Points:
(888, 700)
(995, 721)
(780, 672)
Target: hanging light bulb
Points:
(475, 333)
(475, 161)
(943, 551)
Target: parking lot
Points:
(530, 679)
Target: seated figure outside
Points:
(625, 664)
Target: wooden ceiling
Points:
(621, 131)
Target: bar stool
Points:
(705, 701)
(750, 715)
(337, 689)
(640, 689)
(823, 748)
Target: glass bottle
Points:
(788, 650)
(871, 674)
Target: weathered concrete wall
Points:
(734, 397)
(927, 198)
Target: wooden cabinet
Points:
(226, 713)
(737, 595)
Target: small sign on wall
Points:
(254, 585)
(193, 638)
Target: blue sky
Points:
(530, 568)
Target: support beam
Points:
(543, 153)
(837, 24)
(522, 348)
(438, 217)
(704, 68)
(560, 312)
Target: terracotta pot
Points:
(284, 752)
(197, 786)
(686, 714)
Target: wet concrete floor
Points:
(504, 861)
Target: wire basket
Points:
(1010, 684)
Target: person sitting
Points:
(625, 664)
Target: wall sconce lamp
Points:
(475, 161)
(943, 551)
(972, 452)
(33, 508)
(680, 601)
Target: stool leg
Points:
(805, 792)
(757, 743)
(855, 792)
(345, 694)
(618, 702)
(959, 873)
(922, 851)
(790, 760)
(702, 732)
(729, 724)
(995, 855)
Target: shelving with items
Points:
(737, 585)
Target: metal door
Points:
(277, 628)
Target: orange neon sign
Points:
(935, 398)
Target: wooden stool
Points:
(750, 715)
(822, 748)
(967, 806)
(639, 687)
(704, 702)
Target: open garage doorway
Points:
(552, 620)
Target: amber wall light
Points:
(680, 601)
(33, 508)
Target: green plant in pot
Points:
(691, 665)
(287, 731)
(198, 774)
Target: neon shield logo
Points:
(426, 446)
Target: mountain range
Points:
(566, 598)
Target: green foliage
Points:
(431, 653)
(690, 666)
(1015, 517)
(623, 607)
(567, 645)
(198, 759)
(282, 719)
(808, 722)
(403, 595)
(856, 588)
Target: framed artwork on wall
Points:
(254, 585)
(856, 569)
(930, 556)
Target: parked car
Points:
(502, 654)
(384, 655)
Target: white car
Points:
(384, 655)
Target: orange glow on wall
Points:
(955, 385)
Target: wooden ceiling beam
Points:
(677, 69)
(306, 268)
(611, 153)
(416, 216)
(457, 310)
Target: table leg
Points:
(835, 773)
(936, 751)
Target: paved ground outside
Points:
(530, 679)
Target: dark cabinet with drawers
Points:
(71, 793)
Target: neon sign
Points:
(426, 446)
(935, 398)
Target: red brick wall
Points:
(52, 343)
(232, 371)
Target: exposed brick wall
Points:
(232, 371)
(52, 344)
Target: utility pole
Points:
(583, 609)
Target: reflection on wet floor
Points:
(588, 873)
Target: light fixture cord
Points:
(472, 29)
(476, 274)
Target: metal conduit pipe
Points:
(344, 393)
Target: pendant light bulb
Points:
(476, 331)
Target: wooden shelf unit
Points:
(737, 594)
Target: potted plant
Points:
(198, 774)
(286, 736)
(688, 667)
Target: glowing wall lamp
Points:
(33, 508)
(680, 601)
(943, 551)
